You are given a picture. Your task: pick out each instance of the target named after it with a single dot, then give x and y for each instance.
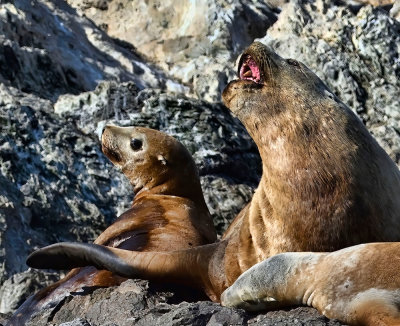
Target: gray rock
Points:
(48, 50)
(395, 11)
(77, 322)
(55, 184)
(145, 304)
(195, 41)
(15, 290)
(4, 318)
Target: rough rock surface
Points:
(45, 43)
(195, 41)
(56, 185)
(150, 305)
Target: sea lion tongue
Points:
(249, 70)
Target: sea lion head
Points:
(269, 85)
(150, 159)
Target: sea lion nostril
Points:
(136, 144)
(293, 62)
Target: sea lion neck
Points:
(190, 189)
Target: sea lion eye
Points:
(293, 62)
(136, 144)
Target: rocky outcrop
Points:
(196, 42)
(150, 305)
(47, 49)
(164, 69)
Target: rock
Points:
(4, 318)
(149, 305)
(195, 41)
(48, 50)
(15, 290)
(55, 184)
(377, 3)
(395, 11)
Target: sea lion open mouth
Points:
(249, 70)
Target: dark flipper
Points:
(68, 255)
(189, 266)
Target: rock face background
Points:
(67, 67)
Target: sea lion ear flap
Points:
(162, 159)
(68, 255)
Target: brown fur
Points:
(326, 183)
(167, 213)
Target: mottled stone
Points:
(48, 50)
(194, 41)
(146, 304)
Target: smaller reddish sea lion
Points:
(168, 211)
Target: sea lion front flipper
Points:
(272, 283)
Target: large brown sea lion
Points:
(326, 184)
(168, 211)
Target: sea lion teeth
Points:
(248, 73)
(249, 70)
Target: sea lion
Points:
(359, 285)
(326, 184)
(168, 211)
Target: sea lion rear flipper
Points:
(68, 255)
(184, 266)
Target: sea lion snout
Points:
(114, 143)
